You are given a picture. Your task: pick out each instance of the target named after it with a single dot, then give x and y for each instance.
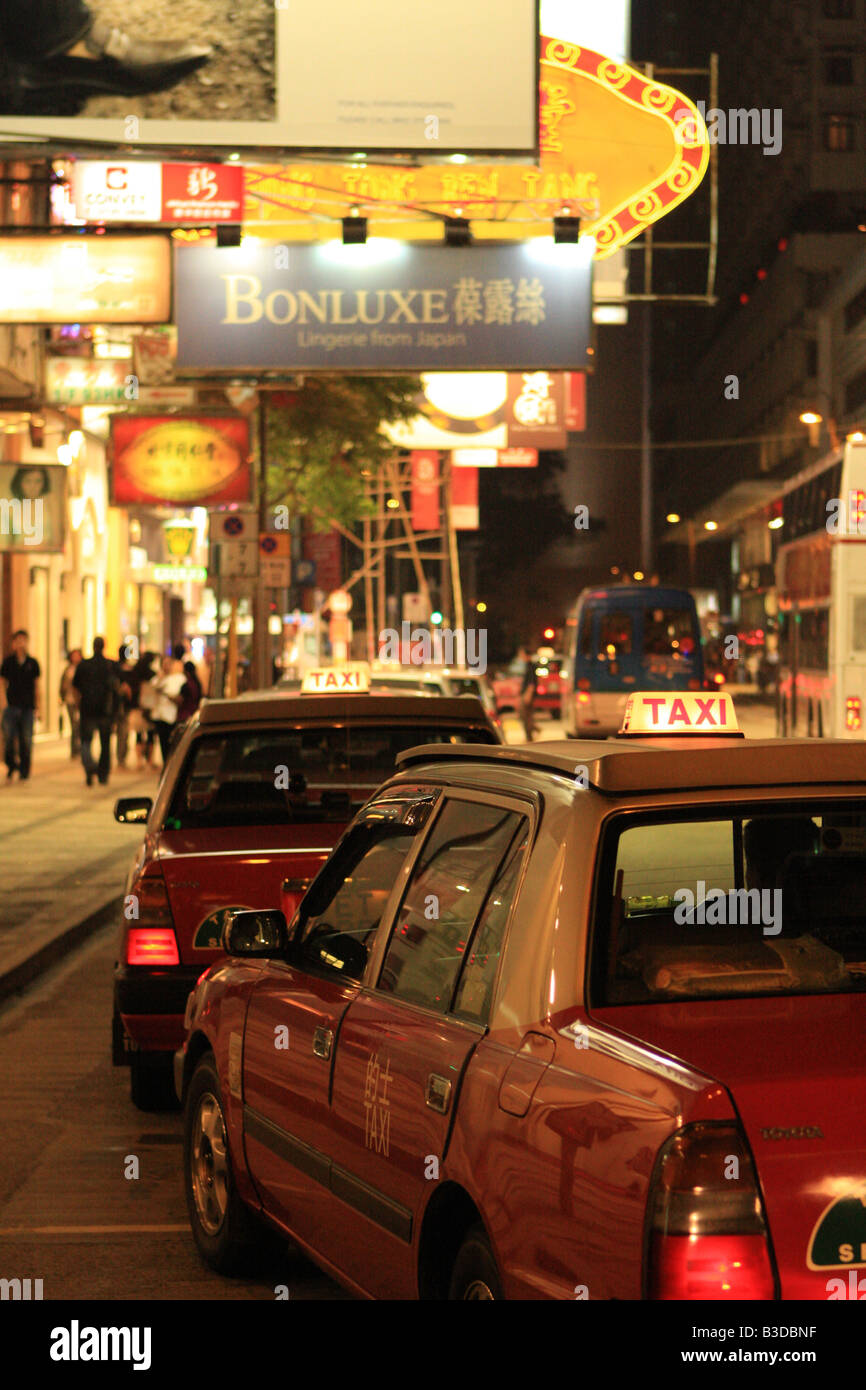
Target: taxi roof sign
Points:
(346, 679)
(679, 713)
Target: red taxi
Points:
(254, 797)
(564, 1020)
(508, 685)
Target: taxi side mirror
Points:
(261, 933)
(132, 810)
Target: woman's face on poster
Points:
(32, 483)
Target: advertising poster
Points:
(32, 507)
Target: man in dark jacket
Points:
(98, 684)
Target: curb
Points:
(53, 951)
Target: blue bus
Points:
(625, 638)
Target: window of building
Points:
(855, 310)
(838, 9)
(839, 69)
(838, 134)
(855, 393)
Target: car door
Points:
(295, 1011)
(405, 1043)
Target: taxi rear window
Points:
(301, 775)
(752, 901)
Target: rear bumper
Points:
(151, 1005)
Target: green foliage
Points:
(322, 434)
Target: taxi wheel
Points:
(151, 1081)
(222, 1226)
(475, 1275)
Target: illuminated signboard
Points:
(617, 149)
(85, 279)
(383, 306)
(179, 460)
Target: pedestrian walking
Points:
(125, 668)
(168, 687)
(19, 675)
(97, 682)
(141, 701)
(527, 694)
(69, 698)
(190, 693)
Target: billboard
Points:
(177, 460)
(32, 507)
(85, 279)
(440, 78)
(383, 306)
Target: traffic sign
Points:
(234, 559)
(275, 571)
(305, 573)
(235, 526)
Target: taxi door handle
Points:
(438, 1093)
(323, 1041)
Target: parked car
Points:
(253, 799)
(508, 1047)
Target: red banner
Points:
(425, 489)
(180, 460)
(575, 400)
(464, 499)
(325, 551)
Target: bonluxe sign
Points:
(386, 306)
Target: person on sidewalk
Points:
(70, 699)
(125, 667)
(97, 682)
(20, 677)
(527, 694)
(168, 687)
(190, 693)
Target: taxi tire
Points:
(475, 1267)
(232, 1249)
(151, 1081)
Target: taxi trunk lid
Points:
(208, 870)
(793, 1068)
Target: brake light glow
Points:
(853, 713)
(708, 1237)
(150, 938)
(152, 946)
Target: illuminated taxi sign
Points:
(337, 680)
(681, 712)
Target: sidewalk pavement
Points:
(63, 858)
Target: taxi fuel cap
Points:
(680, 713)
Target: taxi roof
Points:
(618, 766)
(267, 707)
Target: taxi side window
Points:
(346, 910)
(475, 990)
(448, 888)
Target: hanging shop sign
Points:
(85, 279)
(392, 307)
(180, 460)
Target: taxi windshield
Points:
(754, 901)
(309, 774)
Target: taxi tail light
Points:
(708, 1237)
(150, 937)
(853, 713)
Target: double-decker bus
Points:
(821, 593)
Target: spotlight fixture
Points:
(457, 231)
(229, 234)
(354, 231)
(566, 229)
